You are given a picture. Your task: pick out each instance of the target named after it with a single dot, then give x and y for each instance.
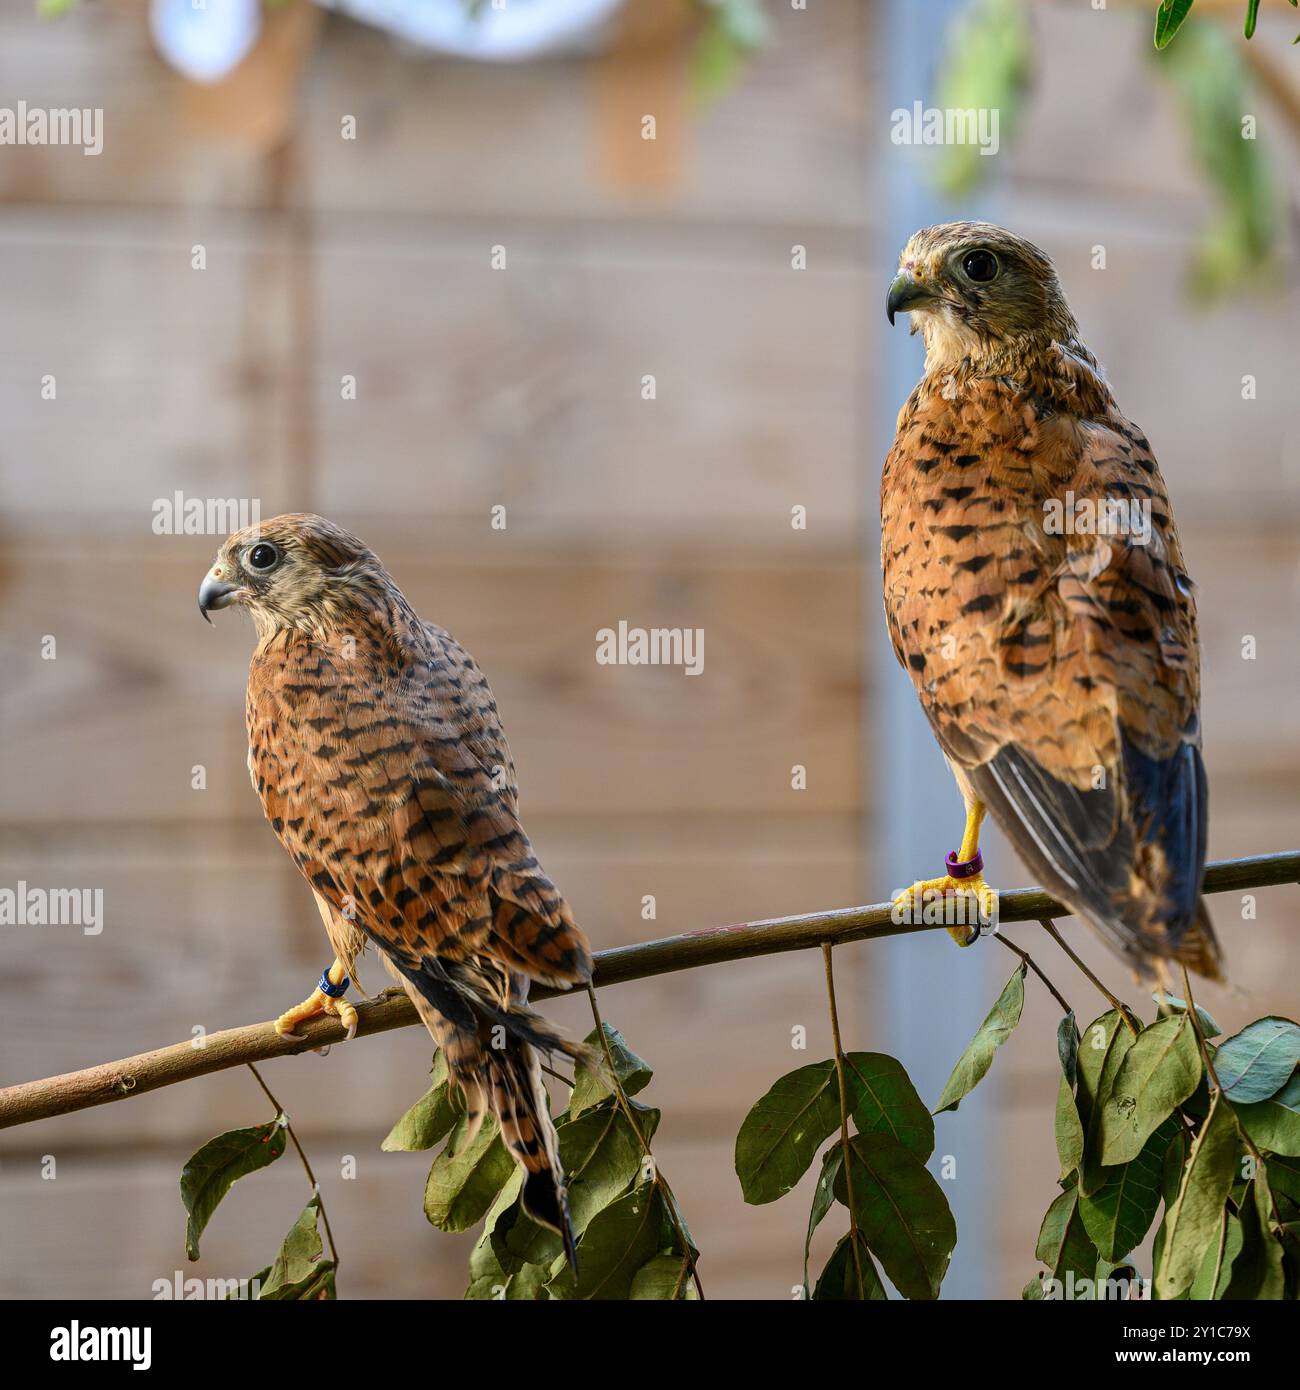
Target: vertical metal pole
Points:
(936, 994)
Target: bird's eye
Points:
(980, 265)
(263, 556)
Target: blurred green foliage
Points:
(986, 66)
(734, 30)
(1237, 245)
(1170, 16)
(988, 63)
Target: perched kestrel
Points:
(1035, 593)
(376, 749)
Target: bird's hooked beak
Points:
(216, 591)
(905, 293)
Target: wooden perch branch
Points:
(133, 1076)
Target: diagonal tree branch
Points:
(234, 1047)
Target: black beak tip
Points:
(903, 295)
(204, 612)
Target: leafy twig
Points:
(1029, 961)
(844, 1118)
(1251, 1147)
(1120, 1008)
(670, 1202)
(283, 1114)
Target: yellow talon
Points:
(318, 1002)
(986, 900)
(912, 900)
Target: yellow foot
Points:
(941, 900)
(318, 1002)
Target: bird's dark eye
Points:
(263, 556)
(980, 265)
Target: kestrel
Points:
(375, 747)
(1036, 595)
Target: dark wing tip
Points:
(545, 1199)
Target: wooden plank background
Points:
(478, 387)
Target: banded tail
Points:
(477, 1011)
(518, 1098)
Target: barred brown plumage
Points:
(1056, 659)
(378, 754)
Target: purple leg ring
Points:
(968, 868)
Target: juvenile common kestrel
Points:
(1036, 595)
(376, 749)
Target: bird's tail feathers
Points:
(493, 1050)
(1199, 947)
(522, 1024)
(520, 1103)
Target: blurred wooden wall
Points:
(522, 387)
(475, 387)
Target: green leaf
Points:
(1257, 1272)
(1195, 1217)
(1104, 1045)
(1274, 1124)
(744, 22)
(1264, 1199)
(1063, 1242)
(465, 1177)
(901, 1212)
(674, 1210)
(619, 1242)
(526, 1284)
(1067, 1046)
(1169, 18)
(1069, 1130)
(55, 9)
(666, 1278)
(974, 1063)
(1215, 1273)
(1252, 14)
(1284, 1177)
(1119, 1213)
(210, 1172)
(1258, 1062)
(488, 1287)
(714, 65)
(840, 1279)
(320, 1288)
(248, 1288)
(823, 1200)
(1197, 1105)
(1171, 1180)
(734, 30)
(1171, 1003)
(1238, 246)
(482, 1258)
(985, 67)
(884, 1101)
(1159, 1072)
(430, 1119)
(1069, 1122)
(495, 1273)
(784, 1131)
(590, 1087)
(1124, 1274)
(299, 1273)
(602, 1158)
